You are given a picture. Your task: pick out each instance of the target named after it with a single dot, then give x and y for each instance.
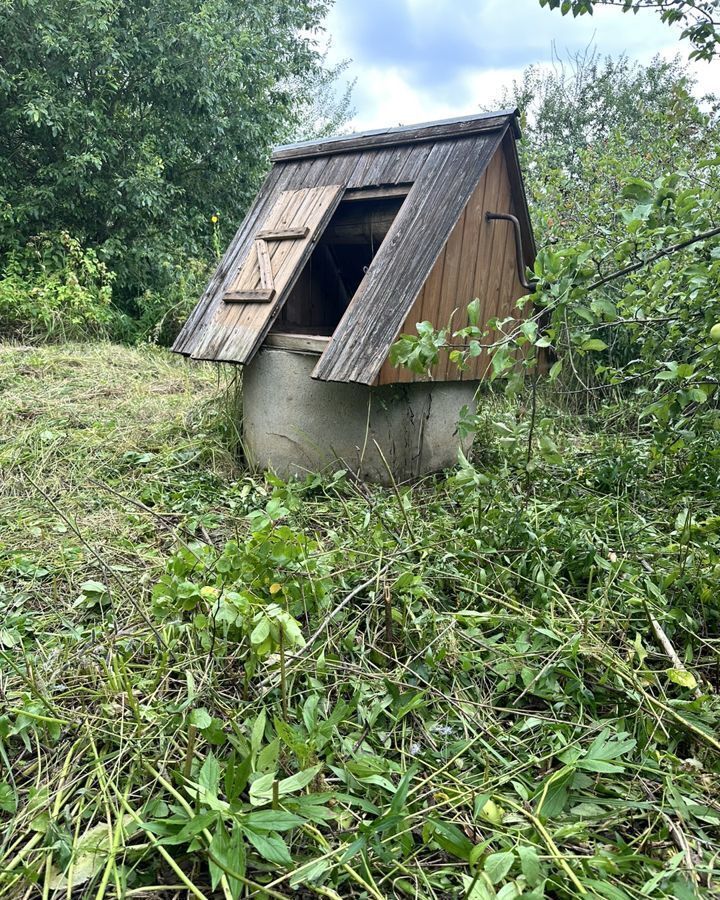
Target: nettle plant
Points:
(249, 594)
(637, 316)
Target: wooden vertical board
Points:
(414, 163)
(486, 259)
(449, 286)
(238, 329)
(394, 163)
(287, 206)
(474, 214)
(390, 374)
(449, 299)
(358, 177)
(503, 243)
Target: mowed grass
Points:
(82, 427)
(494, 683)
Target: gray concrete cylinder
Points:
(295, 425)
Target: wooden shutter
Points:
(282, 245)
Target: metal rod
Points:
(507, 217)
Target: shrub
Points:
(55, 289)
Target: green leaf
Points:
(449, 838)
(237, 775)
(209, 776)
(260, 632)
(398, 801)
(227, 855)
(8, 800)
(638, 189)
(258, 731)
(593, 344)
(272, 820)
(502, 360)
(200, 718)
(529, 864)
(261, 789)
(271, 847)
(497, 865)
(193, 827)
(93, 587)
(298, 781)
(682, 677)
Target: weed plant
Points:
(499, 682)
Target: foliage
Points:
(699, 18)
(326, 106)
(326, 689)
(590, 124)
(616, 313)
(130, 124)
(55, 289)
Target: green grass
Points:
(215, 684)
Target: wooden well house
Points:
(350, 242)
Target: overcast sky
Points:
(417, 60)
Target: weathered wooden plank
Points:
(486, 255)
(199, 320)
(358, 178)
(233, 330)
(474, 217)
(263, 258)
(427, 131)
(377, 193)
(237, 330)
(225, 317)
(249, 276)
(264, 295)
(414, 163)
(313, 343)
(289, 234)
(338, 169)
(361, 342)
(448, 300)
(388, 165)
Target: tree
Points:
(700, 19)
(590, 123)
(129, 124)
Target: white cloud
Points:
(418, 60)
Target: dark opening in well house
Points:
(350, 242)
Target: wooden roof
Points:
(442, 162)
